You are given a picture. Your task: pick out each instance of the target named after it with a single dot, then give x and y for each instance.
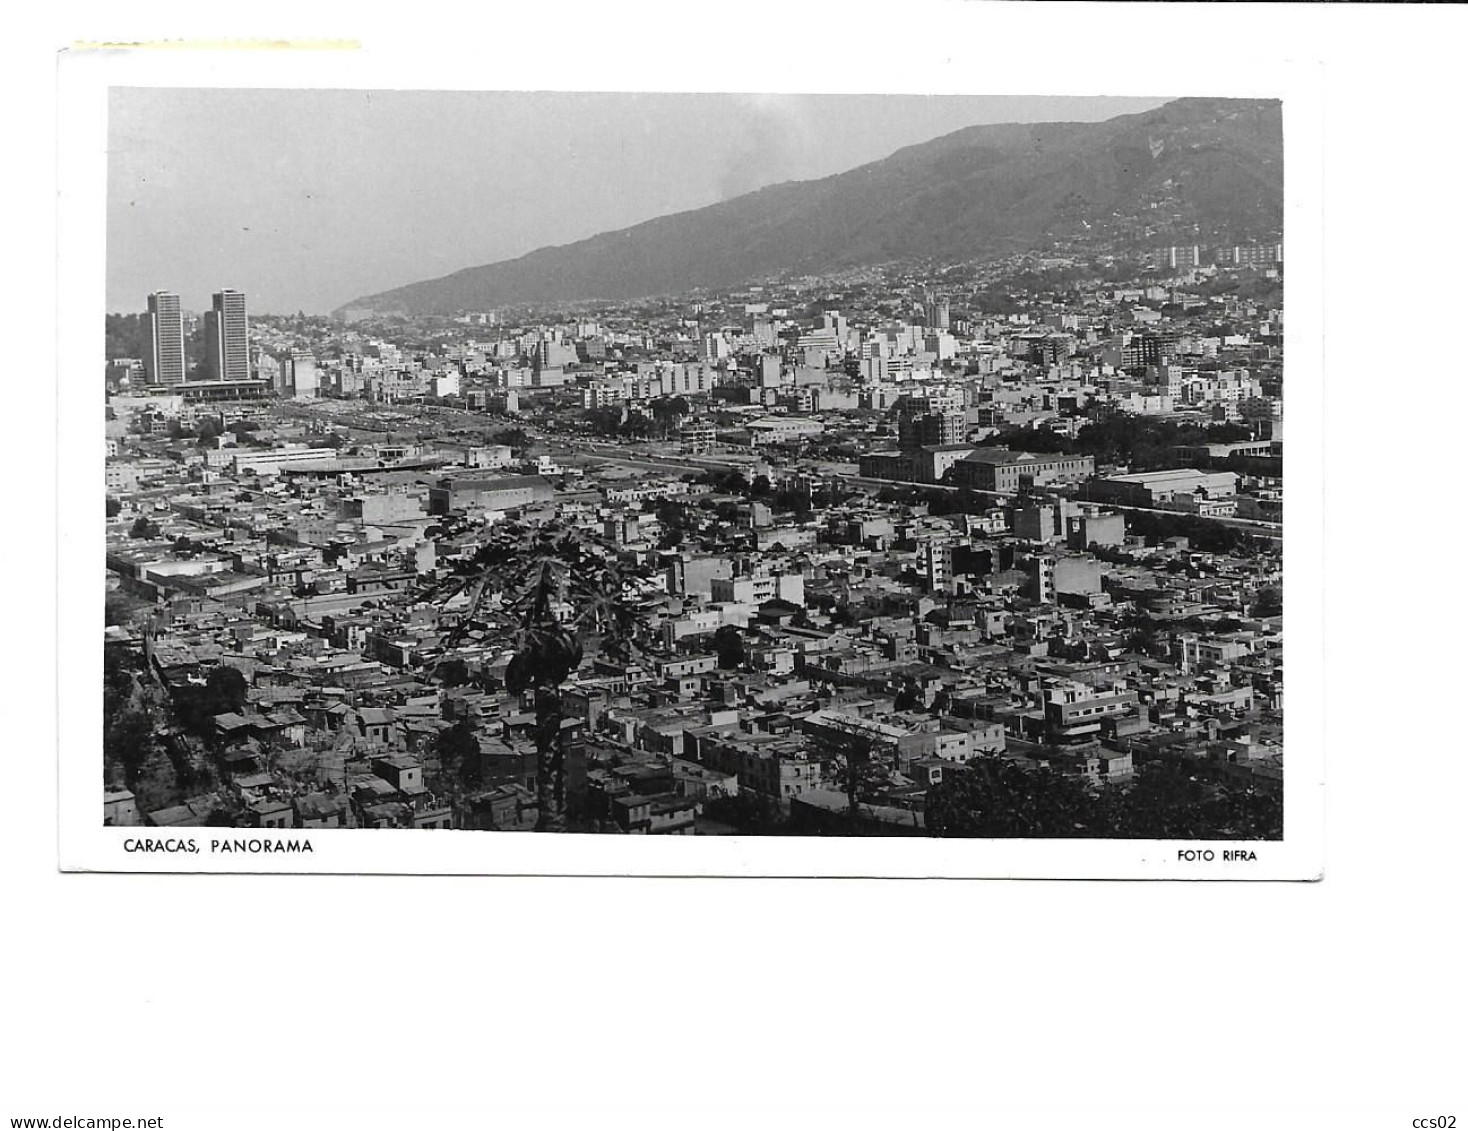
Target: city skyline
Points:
(941, 498)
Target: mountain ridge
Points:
(1206, 165)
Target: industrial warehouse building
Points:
(1174, 489)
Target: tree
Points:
(129, 740)
(1269, 601)
(145, 528)
(540, 570)
(799, 502)
(669, 412)
(221, 818)
(1141, 631)
(605, 420)
(724, 482)
(458, 753)
(747, 811)
(127, 729)
(454, 672)
(517, 439)
(994, 798)
(909, 698)
(114, 507)
(120, 663)
(118, 609)
(637, 426)
(729, 644)
(673, 515)
(858, 771)
(226, 687)
(224, 691)
(125, 335)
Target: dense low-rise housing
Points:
(878, 549)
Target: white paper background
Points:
(392, 1001)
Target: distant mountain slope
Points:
(1214, 163)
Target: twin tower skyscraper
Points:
(226, 339)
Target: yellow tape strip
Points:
(220, 45)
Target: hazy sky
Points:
(306, 199)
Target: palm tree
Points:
(559, 586)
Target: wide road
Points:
(652, 463)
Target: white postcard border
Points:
(86, 845)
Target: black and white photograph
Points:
(699, 465)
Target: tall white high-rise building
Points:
(227, 336)
(163, 348)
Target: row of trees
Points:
(663, 418)
(1201, 533)
(516, 438)
(156, 769)
(126, 335)
(127, 729)
(962, 501)
(992, 797)
(761, 488)
(1133, 440)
